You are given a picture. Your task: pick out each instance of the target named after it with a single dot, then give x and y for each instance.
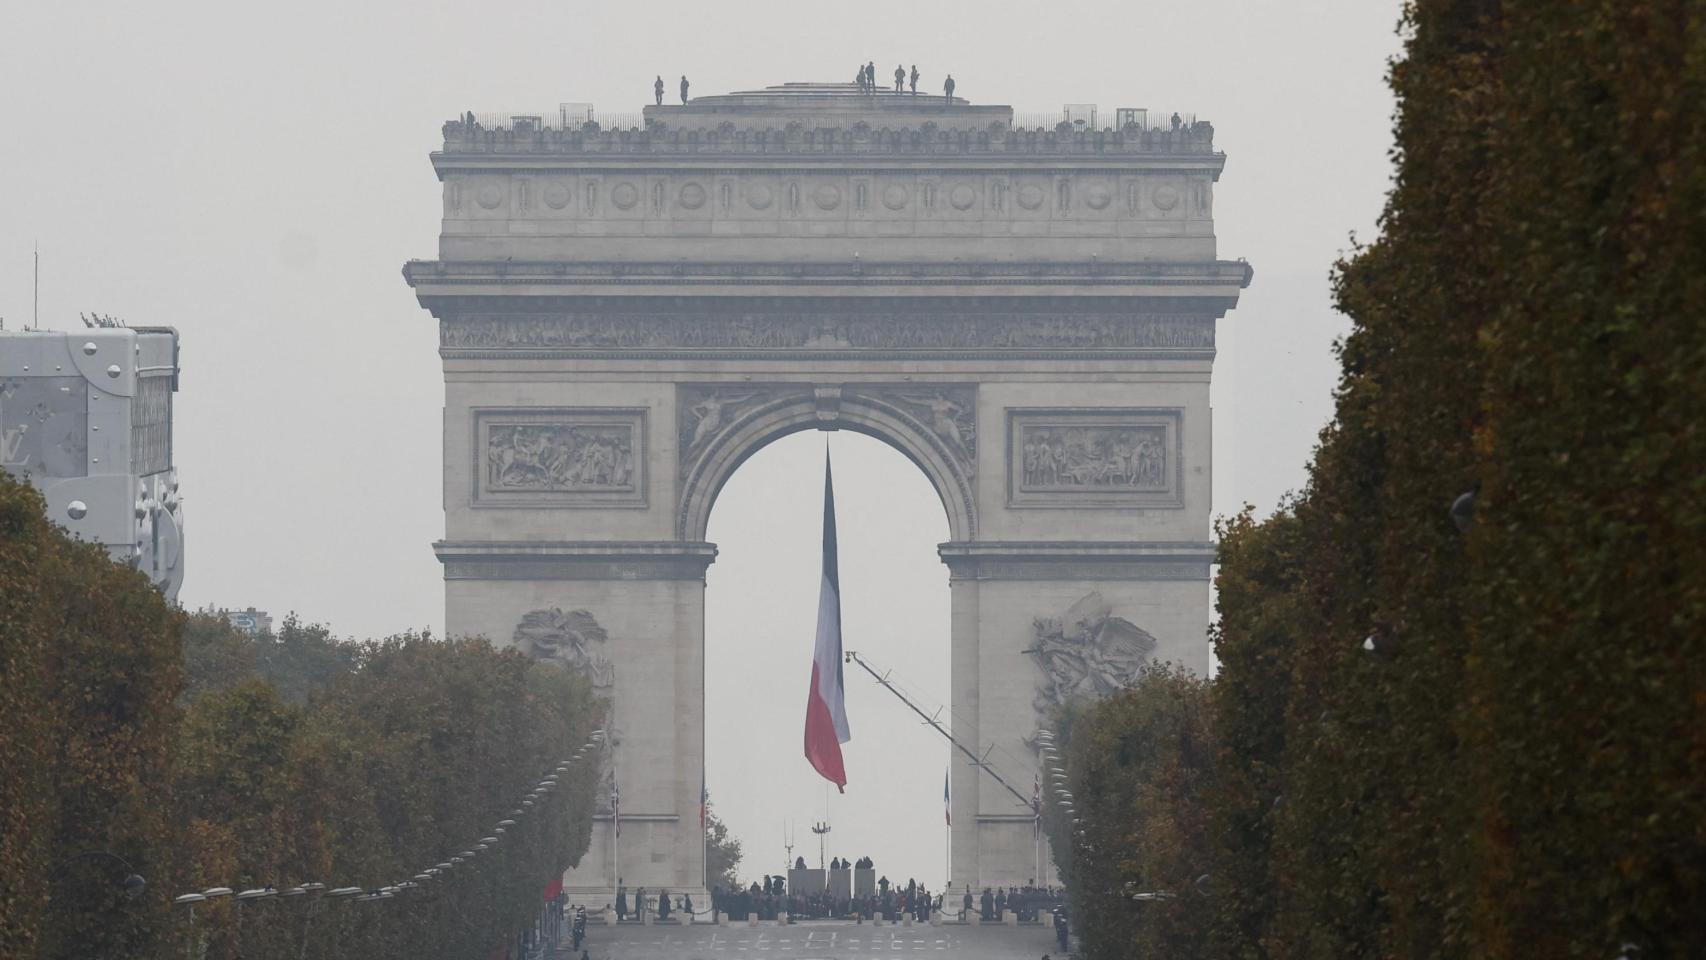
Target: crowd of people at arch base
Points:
(771, 900)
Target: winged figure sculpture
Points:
(1087, 652)
(574, 639)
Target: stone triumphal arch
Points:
(1027, 313)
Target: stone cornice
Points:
(1209, 164)
(574, 560)
(859, 142)
(435, 280)
(453, 271)
(1078, 560)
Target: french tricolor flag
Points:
(826, 704)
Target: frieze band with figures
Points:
(857, 330)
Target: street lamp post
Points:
(822, 830)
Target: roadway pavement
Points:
(820, 940)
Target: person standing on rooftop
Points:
(948, 87)
(684, 88)
(657, 90)
(899, 78)
(915, 79)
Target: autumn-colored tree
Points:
(89, 672)
(722, 852)
(403, 761)
(292, 758)
(1140, 765)
(1463, 671)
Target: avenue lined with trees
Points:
(1459, 705)
(173, 747)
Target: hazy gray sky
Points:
(256, 174)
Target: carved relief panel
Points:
(559, 456)
(947, 412)
(704, 412)
(1094, 458)
(869, 328)
(1085, 653)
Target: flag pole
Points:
(948, 858)
(615, 834)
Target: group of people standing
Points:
(657, 89)
(1027, 903)
(771, 901)
(866, 78)
(644, 902)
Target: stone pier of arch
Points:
(625, 316)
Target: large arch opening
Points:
(760, 615)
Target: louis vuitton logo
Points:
(11, 441)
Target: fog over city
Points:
(256, 176)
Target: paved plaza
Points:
(820, 940)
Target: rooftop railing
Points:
(584, 130)
(1075, 117)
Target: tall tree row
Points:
(1461, 705)
(89, 669)
(198, 757)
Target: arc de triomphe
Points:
(1027, 314)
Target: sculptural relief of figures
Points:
(709, 417)
(1129, 458)
(954, 422)
(554, 456)
(942, 331)
(1086, 652)
(573, 639)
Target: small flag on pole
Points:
(616, 804)
(947, 808)
(1037, 806)
(826, 703)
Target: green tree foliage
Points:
(297, 660)
(400, 763)
(1258, 591)
(1140, 765)
(88, 671)
(722, 852)
(273, 760)
(1439, 743)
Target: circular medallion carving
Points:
(827, 197)
(1098, 197)
(556, 196)
(894, 196)
(759, 196)
(1166, 197)
(962, 197)
(1030, 196)
(624, 195)
(489, 196)
(691, 196)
